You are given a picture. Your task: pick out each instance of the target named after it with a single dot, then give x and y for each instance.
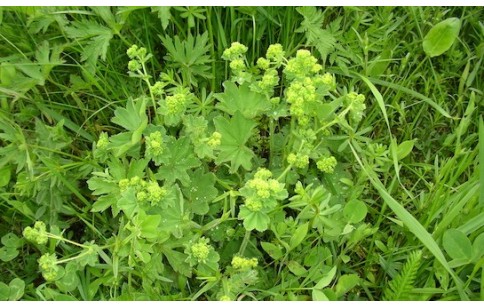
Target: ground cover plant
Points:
(241, 153)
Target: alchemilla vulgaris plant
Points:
(288, 162)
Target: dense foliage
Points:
(241, 153)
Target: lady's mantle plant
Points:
(221, 196)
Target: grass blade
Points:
(398, 88)
(481, 159)
(413, 225)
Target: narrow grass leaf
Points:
(412, 224)
(481, 159)
(412, 93)
(378, 97)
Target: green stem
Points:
(253, 37)
(284, 172)
(245, 241)
(232, 200)
(74, 258)
(55, 151)
(271, 141)
(215, 223)
(60, 238)
(146, 79)
(212, 49)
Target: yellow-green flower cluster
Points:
(263, 185)
(225, 298)
(38, 234)
(302, 95)
(301, 91)
(327, 164)
(158, 88)
(151, 192)
(154, 144)
(214, 140)
(155, 193)
(48, 266)
(123, 184)
(101, 150)
(135, 182)
(235, 54)
(200, 250)
(356, 105)
(253, 204)
(275, 101)
(301, 66)
(136, 55)
(299, 161)
(134, 65)
(307, 87)
(241, 263)
(263, 63)
(134, 51)
(269, 80)
(175, 104)
(263, 174)
(103, 141)
(275, 52)
(308, 134)
(261, 196)
(237, 65)
(235, 51)
(327, 80)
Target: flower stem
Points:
(245, 241)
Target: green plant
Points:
(240, 153)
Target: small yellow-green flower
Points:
(327, 164)
(200, 250)
(37, 234)
(235, 51)
(132, 51)
(134, 65)
(158, 88)
(299, 161)
(275, 52)
(154, 144)
(263, 63)
(123, 184)
(237, 65)
(241, 263)
(215, 140)
(48, 266)
(253, 204)
(175, 104)
(301, 66)
(328, 79)
(103, 141)
(155, 193)
(263, 174)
